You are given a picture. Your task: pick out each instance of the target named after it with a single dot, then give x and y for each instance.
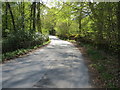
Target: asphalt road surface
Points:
(57, 65)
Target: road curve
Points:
(58, 65)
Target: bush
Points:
(22, 39)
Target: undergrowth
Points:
(16, 53)
(106, 65)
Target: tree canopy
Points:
(98, 23)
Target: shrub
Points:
(22, 39)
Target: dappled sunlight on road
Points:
(58, 65)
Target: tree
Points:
(38, 18)
(6, 13)
(10, 10)
(34, 16)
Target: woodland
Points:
(27, 25)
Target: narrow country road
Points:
(58, 65)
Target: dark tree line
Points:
(21, 25)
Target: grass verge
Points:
(104, 68)
(106, 65)
(10, 55)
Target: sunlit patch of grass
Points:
(73, 41)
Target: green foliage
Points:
(20, 28)
(106, 75)
(105, 64)
(94, 24)
(62, 30)
(22, 39)
(16, 53)
(52, 32)
(112, 86)
(95, 55)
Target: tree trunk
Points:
(80, 22)
(34, 16)
(23, 16)
(6, 12)
(8, 5)
(38, 18)
(80, 17)
(118, 21)
(31, 17)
